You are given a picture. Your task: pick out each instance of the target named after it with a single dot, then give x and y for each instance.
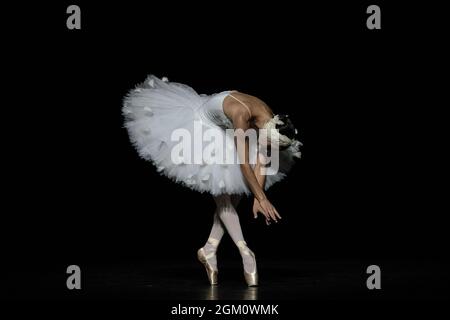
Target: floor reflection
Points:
(218, 293)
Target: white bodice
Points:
(212, 110)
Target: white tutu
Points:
(156, 108)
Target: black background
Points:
(368, 105)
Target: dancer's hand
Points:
(257, 208)
(267, 209)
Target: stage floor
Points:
(279, 280)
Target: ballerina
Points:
(162, 117)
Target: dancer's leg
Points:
(228, 215)
(215, 236)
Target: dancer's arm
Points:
(241, 121)
(260, 173)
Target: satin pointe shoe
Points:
(203, 258)
(250, 277)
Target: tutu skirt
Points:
(158, 112)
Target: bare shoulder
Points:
(254, 107)
(252, 100)
(233, 108)
(245, 96)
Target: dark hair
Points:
(287, 128)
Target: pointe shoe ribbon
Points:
(213, 242)
(242, 245)
(210, 255)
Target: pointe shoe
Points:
(250, 277)
(203, 258)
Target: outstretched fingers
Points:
(272, 213)
(276, 213)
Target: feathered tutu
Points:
(158, 113)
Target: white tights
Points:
(226, 218)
